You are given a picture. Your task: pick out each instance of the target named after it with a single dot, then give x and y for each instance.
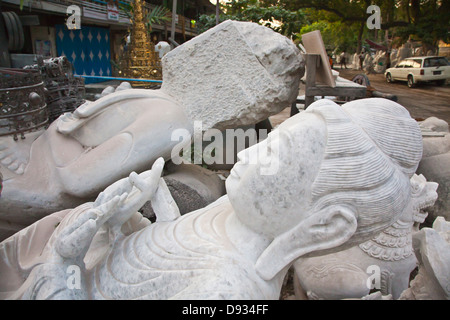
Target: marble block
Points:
(235, 74)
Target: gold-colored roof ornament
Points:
(140, 60)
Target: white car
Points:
(420, 69)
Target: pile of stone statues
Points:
(372, 64)
(332, 192)
(381, 60)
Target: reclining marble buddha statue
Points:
(326, 179)
(237, 73)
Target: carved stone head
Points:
(343, 175)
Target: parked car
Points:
(420, 69)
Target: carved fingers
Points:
(106, 210)
(139, 188)
(116, 189)
(147, 182)
(76, 237)
(113, 207)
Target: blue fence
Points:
(116, 78)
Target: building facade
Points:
(41, 28)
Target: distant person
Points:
(388, 59)
(361, 59)
(330, 59)
(343, 62)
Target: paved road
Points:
(426, 100)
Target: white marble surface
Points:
(236, 73)
(83, 152)
(432, 248)
(340, 180)
(162, 48)
(345, 274)
(435, 163)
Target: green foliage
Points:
(286, 22)
(344, 10)
(428, 22)
(158, 15)
(206, 22)
(424, 20)
(337, 36)
(343, 22)
(127, 9)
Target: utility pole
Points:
(174, 15)
(217, 12)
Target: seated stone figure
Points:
(326, 179)
(237, 73)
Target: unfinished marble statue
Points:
(368, 64)
(343, 177)
(162, 48)
(379, 61)
(192, 187)
(236, 73)
(432, 248)
(405, 51)
(345, 274)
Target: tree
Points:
(158, 14)
(337, 36)
(345, 20)
(341, 13)
(424, 20)
(427, 21)
(284, 21)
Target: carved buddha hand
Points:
(112, 208)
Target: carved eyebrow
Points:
(287, 135)
(280, 134)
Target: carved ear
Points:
(326, 229)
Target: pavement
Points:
(423, 101)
